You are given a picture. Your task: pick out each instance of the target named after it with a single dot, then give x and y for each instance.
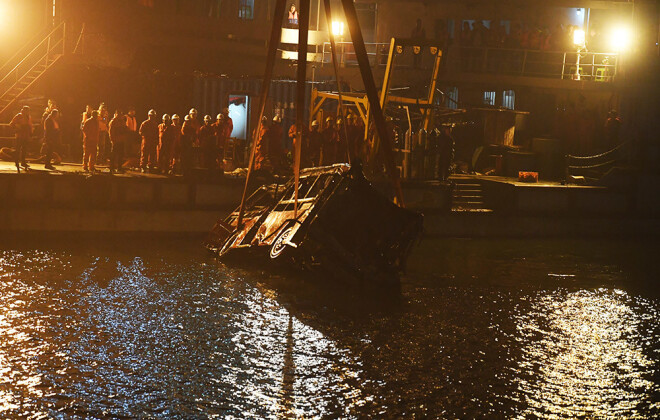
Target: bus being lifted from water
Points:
(342, 226)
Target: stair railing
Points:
(52, 43)
(9, 64)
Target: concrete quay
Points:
(68, 200)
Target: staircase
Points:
(32, 64)
(467, 195)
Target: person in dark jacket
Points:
(52, 135)
(91, 133)
(149, 133)
(166, 139)
(22, 126)
(119, 134)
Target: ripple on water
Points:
(148, 331)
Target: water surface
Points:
(126, 327)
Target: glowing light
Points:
(337, 28)
(620, 39)
(4, 14)
(578, 37)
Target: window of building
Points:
(246, 9)
(509, 99)
(489, 98)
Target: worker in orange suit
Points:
(261, 161)
(149, 133)
(176, 149)
(224, 127)
(166, 138)
(91, 133)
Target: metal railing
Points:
(599, 67)
(40, 57)
(376, 52)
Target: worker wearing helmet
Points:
(275, 136)
(227, 129)
(329, 143)
(148, 151)
(261, 160)
(176, 149)
(311, 150)
(340, 138)
(188, 140)
(166, 138)
(119, 133)
(206, 136)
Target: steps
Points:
(20, 78)
(467, 195)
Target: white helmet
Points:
(277, 119)
(219, 116)
(207, 118)
(192, 111)
(315, 123)
(166, 117)
(152, 113)
(176, 117)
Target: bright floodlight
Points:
(620, 39)
(578, 37)
(337, 28)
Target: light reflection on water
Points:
(158, 329)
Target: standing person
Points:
(207, 141)
(275, 147)
(312, 147)
(104, 139)
(188, 139)
(261, 161)
(176, 148)
(224, 127)
(22, 126)
(119, 133)
(52, 135)
(293, 16)
(355, 137)
(329, 144)
(166, 139)
(340, 137)
(91, 132)
(133, 138)
(149, 133)
(418, 35)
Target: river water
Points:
(130, 327)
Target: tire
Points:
(278, 249)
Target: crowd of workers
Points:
(165, 145)
(520, 36)
(320, 146)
